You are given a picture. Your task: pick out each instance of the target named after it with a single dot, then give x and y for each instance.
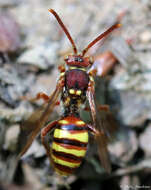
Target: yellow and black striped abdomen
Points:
(69, 145)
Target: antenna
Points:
(64, 29)
(113, 27)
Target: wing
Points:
(32, 126)
(105, 121)
(107, 126)
(104, 124)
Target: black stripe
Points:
(71, 127)
(66, 169)
(70, 142)
(66, 155)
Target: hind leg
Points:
(45, 138)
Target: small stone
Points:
(125, 146)
(131, 94)
(11, 137)
(144, 141)
(9, 30)
(9, 3)
(125, 182)
(42, 56)
(36, 149)
(145, 36)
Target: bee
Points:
(70, 133)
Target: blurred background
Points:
(32, 45)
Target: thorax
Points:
(76, 81)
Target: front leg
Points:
(90, 96)
(39, 96)
(42, 95)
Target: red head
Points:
(80, 60)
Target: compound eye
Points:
(78, 59)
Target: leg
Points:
(92, 129)
(39, 96)
(105, 108)
(93, 72)
(42, 96)
(100, 107)
(87, 109)
(32, 126)
(90, 96)
(102, 118)
(95, 132)
(61, 68)
(44, 137)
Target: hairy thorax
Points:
(76, 79)
(74, 94)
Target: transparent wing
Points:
(105, 121)
(32, 126)
(105, 125)
(102, 142)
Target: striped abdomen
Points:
(69, 145)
